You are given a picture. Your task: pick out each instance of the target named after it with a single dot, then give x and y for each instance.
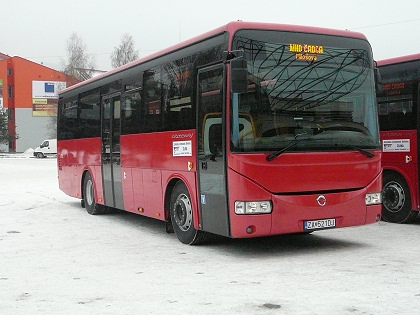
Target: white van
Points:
(47, 147)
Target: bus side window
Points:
(89, 123)
(152, 121)
(384, 122)
(210, 104)
(212, 136)
(186, 118)
(246, 131)
(67, 120)
(215, 139)
(130, 112)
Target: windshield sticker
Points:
(182, 148)
(306, 52)
(400, 145)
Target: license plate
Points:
(319, 224)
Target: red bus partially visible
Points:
(249, 130)
(399, 122)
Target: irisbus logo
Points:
(182, 136)
(322, 201)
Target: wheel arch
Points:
(95, 184)
(82, 180)
(167, 199)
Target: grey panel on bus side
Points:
(111, 156)
(213, 199)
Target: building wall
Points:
(31, 109)
(3, 94)
(31, 137)
(3, 83)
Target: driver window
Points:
(210, 112)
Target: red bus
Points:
(249, 130)
(398, 104)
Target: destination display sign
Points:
(306, 52)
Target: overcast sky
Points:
(38, 30)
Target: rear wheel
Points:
(396, 203)
(182, 216)
(89, 196)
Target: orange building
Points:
(29, 91)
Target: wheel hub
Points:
(394, 197)
(183, 212)
(89, 192)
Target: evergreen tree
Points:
(5, 136)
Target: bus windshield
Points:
(304, 85)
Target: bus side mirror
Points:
(239, 75)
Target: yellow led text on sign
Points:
(306, 52)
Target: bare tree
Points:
(80, 64)
(52, 127)
(125, 52)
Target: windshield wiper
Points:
(290, 145)
(295, 142)
(363, 151)
(342, 126)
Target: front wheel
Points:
(182, 216)
(396, 203)
(40, 155)
(89, 196)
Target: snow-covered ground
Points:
(57, 259)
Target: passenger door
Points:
(111, 155)
(212, 150)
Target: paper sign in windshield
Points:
(182, 148)
(400, 145)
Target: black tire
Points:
(89, 196)
(396, 200)
(40, 155)
(182, 216)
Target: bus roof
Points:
(231, 27)
(401, 59)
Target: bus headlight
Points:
(252, 207)
(373, 199)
